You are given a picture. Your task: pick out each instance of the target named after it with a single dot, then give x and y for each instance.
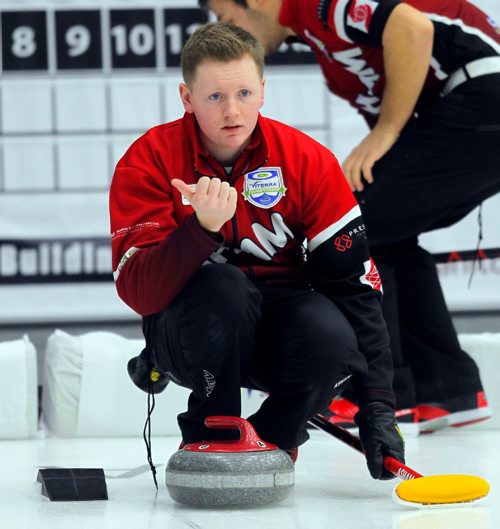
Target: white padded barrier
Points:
(485, 350)
(88, 393)
(18, 389)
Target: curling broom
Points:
(417, 490)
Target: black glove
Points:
(380, 436)
(145, 375)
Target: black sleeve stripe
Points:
(373, 36)
(379, 20)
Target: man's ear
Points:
(263, 84)
(185, 97)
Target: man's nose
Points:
(231, 107)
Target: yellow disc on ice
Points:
(442, 490)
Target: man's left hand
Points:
(359, 163)
(380, 437)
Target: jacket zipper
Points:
(250, 271)
(234, 223)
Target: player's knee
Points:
(229, 293)
(334, 353)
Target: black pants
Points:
(444, 164)
(222, 332)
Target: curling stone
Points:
(245, 472)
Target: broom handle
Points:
(392, 465)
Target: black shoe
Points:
(458, 411)
(341, 412)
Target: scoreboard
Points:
(106, 40)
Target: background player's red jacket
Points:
(346, 37)
(291, 194)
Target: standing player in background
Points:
(209, 214)
(425, 75)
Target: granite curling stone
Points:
(247, 472)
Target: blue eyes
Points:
(218, 97)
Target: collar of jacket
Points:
(290, 11)
(285, 17)
(255, 155)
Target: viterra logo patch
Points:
(264, 187)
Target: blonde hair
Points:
(219, 41)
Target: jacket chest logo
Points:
(264, 187)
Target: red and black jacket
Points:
(296, 221)
(346, 37)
